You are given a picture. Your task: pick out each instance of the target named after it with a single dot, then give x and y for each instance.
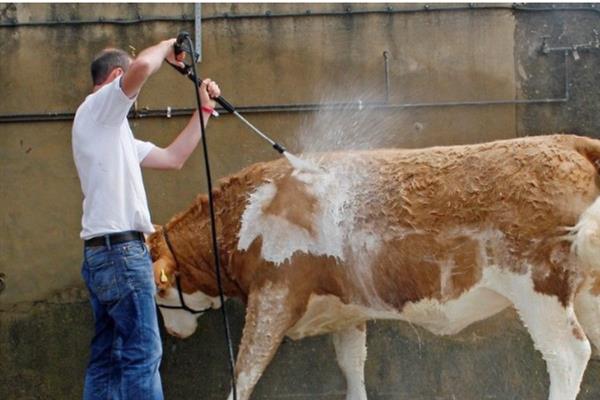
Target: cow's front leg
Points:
(269, 315)
(351, 350)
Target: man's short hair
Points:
(106, 61)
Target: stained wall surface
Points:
(481, 57)
(257, 61)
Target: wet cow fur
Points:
(441, 237)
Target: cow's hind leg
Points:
(351, 350)
(268, 317)
(558, 336)
(587, 308)
(555, 331)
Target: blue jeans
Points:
(126, 348)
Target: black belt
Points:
(114, 238)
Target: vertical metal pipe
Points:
(198, 29)
(567, 83)
(386, 75)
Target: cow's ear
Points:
(162, 273)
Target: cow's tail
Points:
(585, 235)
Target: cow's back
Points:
(522, 187)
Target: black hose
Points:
(213, 225)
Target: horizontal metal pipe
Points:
(308, 13)
(273, 108)
(99, 21)
(37, 117)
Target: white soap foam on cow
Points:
(281, 239)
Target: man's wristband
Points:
(210, 111)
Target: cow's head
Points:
(179, 322)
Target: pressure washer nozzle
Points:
(279, 148)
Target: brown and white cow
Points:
(440, 237)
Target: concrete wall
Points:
(256, 61)
(469, 55)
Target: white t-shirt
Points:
(108, 158)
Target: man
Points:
(126, 348)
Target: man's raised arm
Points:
(147, 63)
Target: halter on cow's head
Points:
(181, 301)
